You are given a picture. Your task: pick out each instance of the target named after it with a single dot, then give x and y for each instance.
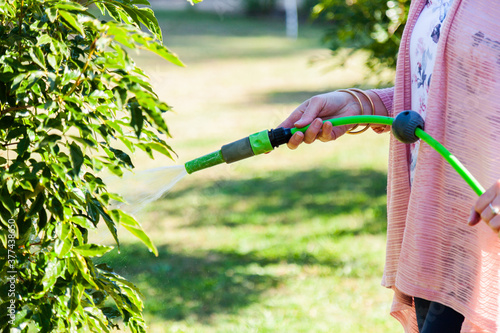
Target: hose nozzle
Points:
(255, 144)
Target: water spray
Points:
(407, 127)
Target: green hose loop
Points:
(452, 160)
(449, 157)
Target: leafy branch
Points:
(70, 108)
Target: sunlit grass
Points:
(291, 241)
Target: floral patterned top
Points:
(423, 46)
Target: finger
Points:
(487, 197)
(313, 131)
(491, 210)
(295, 140)
(311, 112)
(474, 217)
(326, 134)
(487, 214)
(495, 223)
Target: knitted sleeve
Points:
(387, 96)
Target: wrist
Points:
(379, 110)
(366, 107)
(379, 106)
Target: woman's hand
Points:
(487, 208)
(327, 106)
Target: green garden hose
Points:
(406, 127)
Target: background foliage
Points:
(69, 94)
(373, 26)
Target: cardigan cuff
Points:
(387, 97)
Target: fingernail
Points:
(470, 220)
(317, 122)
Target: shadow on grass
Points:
(285, 197)
(195, 285)
(177, 286)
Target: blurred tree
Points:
(369, 25)
(259, 7)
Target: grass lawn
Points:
(291, 241)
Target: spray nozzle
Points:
(255, 144)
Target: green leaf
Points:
(54, 269)
(76, 158)
(79, 237)
(115, 125)
(92, 250)
(49, 140)
(77, 291)
(70, 5)
(96, 319)
(56, 208)
(26, 185)
(37, 205)
(23, 145)
(130, 223)
(133, 38)
(114, 169)
(44, 39)
(95, 209)
(122, 156)
(83, 221)
(162, 51)
(141, 2)
(72, 19)
(6, 122)
(161, 148)
(10, 184)
(146, 148)
(137, 120)
(64, 241)
(37, 56)
(111, 313)
(7, 201)
(127, 143)
(52, 61)
(147, 17)
(84, 142)
(83, 269)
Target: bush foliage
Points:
(373, 26)
(69, 93)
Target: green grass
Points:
(291, 241)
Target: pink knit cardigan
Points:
(431, 251)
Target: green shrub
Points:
(69, 92)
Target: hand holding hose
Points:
(314, 111)
(487, 208)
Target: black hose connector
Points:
(279, 136)
(405, 125)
